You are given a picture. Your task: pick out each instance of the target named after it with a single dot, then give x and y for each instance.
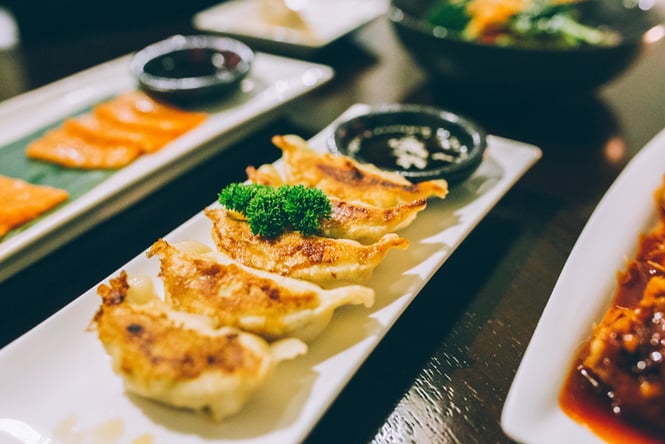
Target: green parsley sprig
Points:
(271, 211)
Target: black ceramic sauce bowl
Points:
(185, 69)
(419, 142)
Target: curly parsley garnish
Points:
(272, 210)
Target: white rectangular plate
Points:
(57, 380)
(323, 22)
(581, 296)
(272, 82)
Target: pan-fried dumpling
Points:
(202, 281)
(266, 174)
(321, 260)
(351, 219)
(344, 178)
(367, 223)
(178, 358)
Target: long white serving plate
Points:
(272, 83)
(581, 296)
(56, 381)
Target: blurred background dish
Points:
(268, 25)
(45, 22)
(419, 142)
(563, 47)
(184, 69)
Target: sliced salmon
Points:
(60, 147)
(115, 133)
(91, 128)
(21, 202)
(139, 112)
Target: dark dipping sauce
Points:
(191, 70)
(627, 404)
(195, 62)
(418, 142)
(410, 148)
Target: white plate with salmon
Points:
(223, 332)
(93, 144)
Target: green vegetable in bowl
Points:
(535, 23)
(272, 210)
(450, 15)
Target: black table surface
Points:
(443, 371)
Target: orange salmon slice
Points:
(61, 147)
(91, 128)
(115, 133)
(139, 112)
(20, 202)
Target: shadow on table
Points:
(532, 117)
(45, 21)
(573, 132)
(393, 366)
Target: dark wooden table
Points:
(443, 371)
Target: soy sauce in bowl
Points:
(191, 68)
(421, 143)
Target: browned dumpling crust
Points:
(181, 359)
(342, 177)
(355, 220)
(367, 223)
(204, 347)
(199, 280)
(321, 260)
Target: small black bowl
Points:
(184, 69)
(419, 142)
(451, 59)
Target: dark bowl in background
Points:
(186, 69)
(448, 58)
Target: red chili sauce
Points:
(616, 386)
